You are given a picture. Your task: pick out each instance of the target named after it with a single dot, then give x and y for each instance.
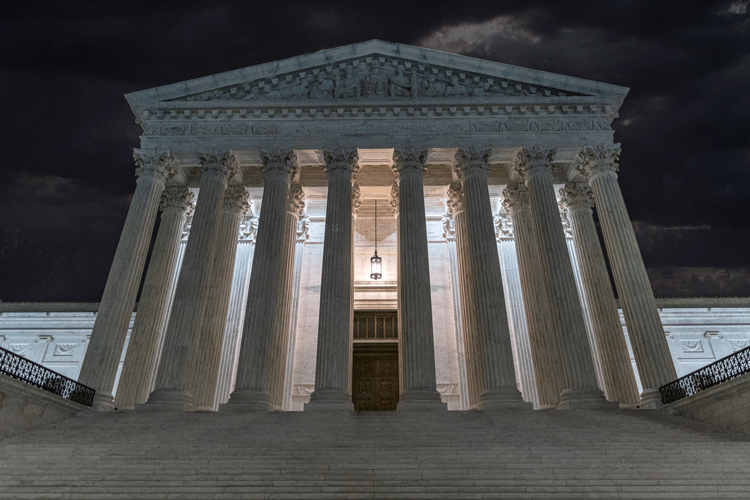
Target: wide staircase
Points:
(374, 455)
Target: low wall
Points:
(24, 407)
(725, 405)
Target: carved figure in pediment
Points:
(298, 91)
(349, 86)
(402, 85)
(456, 89)
(265, 90)
(321, 88)
(482, 91)
(431, 87)
(376, 82)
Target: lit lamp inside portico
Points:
(376, 263)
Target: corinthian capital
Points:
(297, 199)
(158, 165)
(219, 164)
(408, 160)
(503, 227)
(598, 160)
(341, 161)
(455, 201)
(576, 196)
(236, 200)
(277, 162)
(472, 161)
(535, 161)
(177, 199)
(515, 198)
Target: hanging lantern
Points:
(376, 263)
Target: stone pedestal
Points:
(193, 286)
(608, 341)
(99, 369)
(485, 301)
(333, 362)
(543, 337)
(416, 345)
(581, 390)
(147, 336)
(262, 332)
(650, 348)
(206, 351)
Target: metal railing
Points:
(20, 368)
(725, 369)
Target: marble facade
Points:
(267, 178)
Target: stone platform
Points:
(514, 454)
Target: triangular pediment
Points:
(372, 72)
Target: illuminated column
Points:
(171, 390)
(608, 342)
(333, 361)
(147, 336)
(206, 351)
(99, 368)
(417, 349)
(262, 332)
(580, 387)
(655, 365)
(545, 349)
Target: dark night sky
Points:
(67, 174)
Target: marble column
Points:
(99, 367)
(172, 387)
(581, 390)
(262, 332)
(608, 342)
(333, 361)
(485, 302)
(147, 335)
(652, 356)
(543, 337)
(205, 353)
(416, 344)
(519, 332)
(295, 208)
(237, 301)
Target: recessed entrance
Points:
(375, 361)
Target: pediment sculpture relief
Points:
(374, 79)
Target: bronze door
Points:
(375, 377)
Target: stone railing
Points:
(20, 368)
(717, 372)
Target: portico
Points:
(490, 255)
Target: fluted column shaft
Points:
(535, 166)
(295, 207)
(171, 390)
(608, 340)
(332, 389)
(205, 354)
(486, 299)
(416, 345)
(147, 335)
(543, 337)
(262, 332)
(99, 367)
(652, 356)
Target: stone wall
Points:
(24, 407)
(725, 405)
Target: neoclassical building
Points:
(475, 182)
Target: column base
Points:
(421, 400)
(103, 401)
(502, 399)
(329, 400)
(167, 400)
(243, 400)
(585, 398)
(650, 400)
